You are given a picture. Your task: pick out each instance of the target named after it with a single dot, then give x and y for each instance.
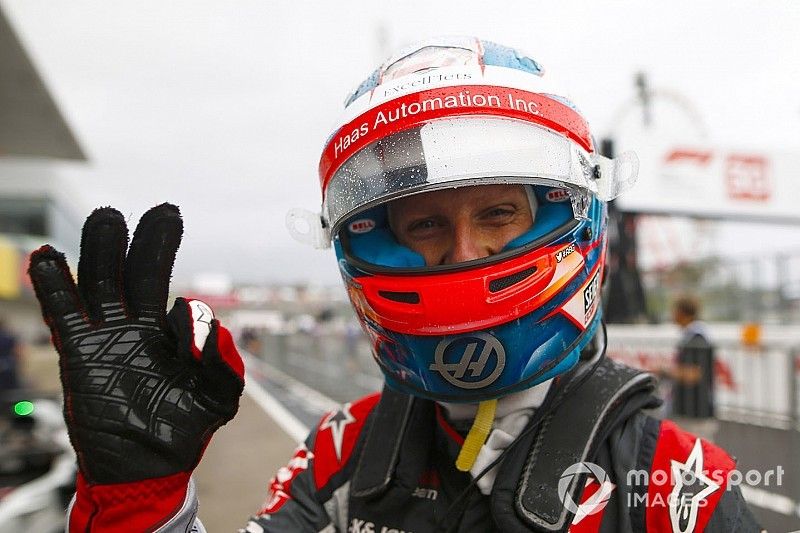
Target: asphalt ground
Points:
(233, 476)
(774, 501)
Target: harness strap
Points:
(383, 443)
(398, 442)
(570, 434)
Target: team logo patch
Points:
(202, 315)
(470, 362)
(564, 252)
(691, 489)
(557, 195)
(590, 293)
(280, 485)
(336, 422)
(362, 225)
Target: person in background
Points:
(693, 376)
(250, 340)
(10, 357)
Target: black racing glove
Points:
(143, 391)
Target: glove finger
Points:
(104, 242)
(200, 337)
(148, 267)
(189, 323)
(223, 368)
(55, 289)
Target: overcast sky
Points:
(223, 107)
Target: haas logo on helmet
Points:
(480, 358)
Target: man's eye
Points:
(499, 212)
(422, 225)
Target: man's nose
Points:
(466, 245)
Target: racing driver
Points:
(465, 200)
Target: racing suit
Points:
(385, 464)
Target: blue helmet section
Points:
(464, 382)
(518, 354)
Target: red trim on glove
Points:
(135, 507)
(228, 351)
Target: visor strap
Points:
(477, 435)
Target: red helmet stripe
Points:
(461, 302)
(418, 108)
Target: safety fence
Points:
(337, 364)
(756, 384)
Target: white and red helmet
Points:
(459, 112)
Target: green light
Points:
(23, 408)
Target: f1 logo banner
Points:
(715, 182)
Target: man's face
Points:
(451, 226)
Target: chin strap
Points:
(477, 435)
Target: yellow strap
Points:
(477, 435)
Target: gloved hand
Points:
(143, 391)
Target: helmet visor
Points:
(442, 229)
(468, 150)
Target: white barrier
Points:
(757, 385)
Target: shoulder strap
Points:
(582, 416)
(384, 440)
